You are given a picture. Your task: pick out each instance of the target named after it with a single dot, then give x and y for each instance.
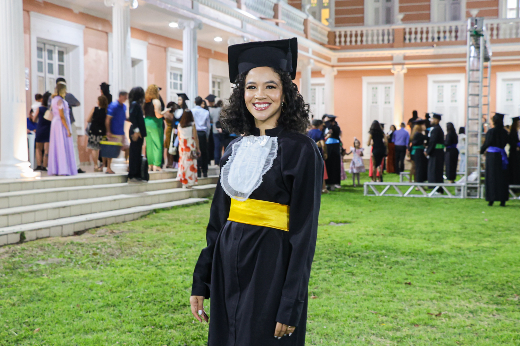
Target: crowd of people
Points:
(435, 156)
(161, 136)
(52, 136)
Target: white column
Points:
(306, 72)
(121, 60)
(190, 58)
(329, 74)
(13, 132)
(398, 71)
(121, 55)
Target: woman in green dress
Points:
(153, 121)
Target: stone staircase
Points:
(62, 206)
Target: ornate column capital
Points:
(329, 71)
(190, 24)
(396, 69)
(307, 63)
(130, 3)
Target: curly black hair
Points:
(236, 118)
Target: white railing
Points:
(423, 32)
(293, 18)
(435, 32)
(361, 35)
(264, 7)
(319, 32)
(502, 28)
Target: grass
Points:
(387, 271)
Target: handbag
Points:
(48, 114)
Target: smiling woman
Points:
(263, 224)
(260, 94)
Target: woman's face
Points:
(263, 95)
(180, 101)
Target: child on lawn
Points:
(356, 165)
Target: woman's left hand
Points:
(283, 330)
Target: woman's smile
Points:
(261, 106)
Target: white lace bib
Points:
(251, 158)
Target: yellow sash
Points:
(260, 213)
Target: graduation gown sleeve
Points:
(218, 217)
(304, 172)
(436, 137)
(487, 142)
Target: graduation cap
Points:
(515, 119)
(498, 116)
(437, 116)
(183, 96)
(382, 125)
(280, 55)
(211, 98)
(331, 116)
(419, 121)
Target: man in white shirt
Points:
(203, 126)
(37, 102)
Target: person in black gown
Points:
(377, 139)
(514, 153)
(417, 151)
(263, 223)
(435, 151)
(137, 134)
(333, 161)
(428, 125)
(451, 157)
(497, 177)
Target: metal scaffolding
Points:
(478, 104)
(477, 114)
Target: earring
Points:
(283, 107)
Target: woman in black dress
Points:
(97, 129)
(136, 170)
(497, 177)
(417, 151)
(451, 156)
(263, 222)
(43, 132)
(334, 160)
(377, 139)
(514, 153)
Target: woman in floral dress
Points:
(188, 150)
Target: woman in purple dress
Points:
(61, 147)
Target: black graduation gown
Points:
(333, 161)
(436, 160)
(421, 162)
(514, 158)
(497, 178)
(451, 157)
(257, 276)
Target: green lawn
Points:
(387, 271)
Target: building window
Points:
(512, 8)
(216, 87)
(51, 64)
(175, 83)
(319, 9)
(380, 12)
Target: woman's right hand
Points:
(68, 133)
(197, 308)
